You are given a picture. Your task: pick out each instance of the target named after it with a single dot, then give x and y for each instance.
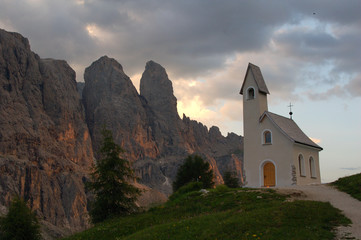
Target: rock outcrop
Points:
(148, 126)
(45, 145)
(111, 100)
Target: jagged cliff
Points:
(148, 126)
(49, 134)
(45, 145)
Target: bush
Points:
(230, 180)
(194, 169)
(221, 189)
(19, 223)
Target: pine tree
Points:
(194, 169)
(114, 195)
(20, 223)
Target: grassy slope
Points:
(225, 214)
(350, 185)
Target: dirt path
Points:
(350, 207)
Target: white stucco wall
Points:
(280, 152)
(307, 152)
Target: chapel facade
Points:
(276, 151)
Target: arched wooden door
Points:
(269, 176)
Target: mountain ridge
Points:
(49, 134)
(148, 127)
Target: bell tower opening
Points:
(250, 93)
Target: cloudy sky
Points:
(309, 52)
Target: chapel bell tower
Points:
(254, 91)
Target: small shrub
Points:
(194, 169)
(222, 189)
(230, 180)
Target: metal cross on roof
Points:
(290, 106)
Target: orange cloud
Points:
(315, 140)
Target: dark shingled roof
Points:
(256, 71)
(290, 129)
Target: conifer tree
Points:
(194, 169)
(114, 195)
(20, 223)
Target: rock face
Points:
(148, 126)
(111, 100)
(157, 89)
(80, 87)
(45, 145)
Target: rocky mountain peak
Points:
(215, 133)
(105, 82)
(108, 62)
(111, 99)
(157, 89)
(107, 73)
(15, 39)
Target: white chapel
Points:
(276, 151)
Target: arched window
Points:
(301, 164)
(250, 93)
(267, 137)
(312, 168)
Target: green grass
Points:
(350, 185)
(224, 213)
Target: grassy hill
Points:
(350, 185)
(224, 213)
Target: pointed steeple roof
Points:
(256, 71)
